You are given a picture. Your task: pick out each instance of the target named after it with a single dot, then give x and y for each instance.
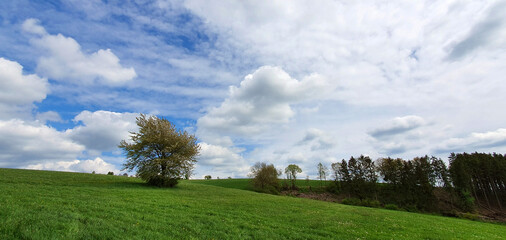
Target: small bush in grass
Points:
(371, 203)
(469, 216)
(110, 173)
(411, 208)
(391, 206)
(161, 181)
(351, 201)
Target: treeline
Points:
(426, 183)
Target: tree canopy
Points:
(159, 152)
(291, 173)
(265, 177)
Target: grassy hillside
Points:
(57, 205)
(244, 183)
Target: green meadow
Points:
(60, 205)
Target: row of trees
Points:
(422, 183)
(470, 178)
(480, 176)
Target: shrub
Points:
(411, 208)
(162, 181)
(469, 216)
(391, 206)
(371, 203)
(333, 188)
(265, 178)
(110, 173)
(351, 201)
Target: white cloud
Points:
(263, 99)
(98, 165)
(19, 91)
(23, 143)
(64, 60)
(317, 139)
(488, 140)
(398, 125)
(102, 130)
(221, 161)
(49, 116)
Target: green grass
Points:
(236, 183)
(58, 205)
(244, 183)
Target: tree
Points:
(291, 173)
(322, 172)
(207, 177)
(265, 177)
(159, 152)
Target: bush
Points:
(352, 201)
(333, 188)
(391, 206)
(110, 173)
(265, 178)
(411, 208)
(161, 181)
(469, 216)
(371, 203)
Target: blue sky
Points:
(275, 81)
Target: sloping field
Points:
(58, 205)
(244, 183)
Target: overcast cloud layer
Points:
(276, 81)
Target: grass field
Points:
(244, 183)
(58, 205)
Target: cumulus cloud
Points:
(19, 91)
(49, 116)
(317, 139)
(98, 165)
(218, 156)
(398, 125)
(262, 99)
(23, 143)
(222, 161)
(64, 60)
(102, 130)
(486, 140)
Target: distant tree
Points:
(291, 173)
(322, 172)
(229, 177)
(110, 173)
(207, 177)
(344, 176)
(93, 172)
(265, 177)
(159, 152)
(125, 174)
